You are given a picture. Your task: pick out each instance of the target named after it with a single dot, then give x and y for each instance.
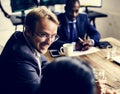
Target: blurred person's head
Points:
(41, 28)
(72, 9)
(67, 75)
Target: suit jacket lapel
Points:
(67, 33)
(79, 27)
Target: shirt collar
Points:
(68, 21)
(37, 53)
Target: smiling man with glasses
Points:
(22, 58)
(42, 31)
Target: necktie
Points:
(72, 32)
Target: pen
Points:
(86, 37)
(80, 39)
(109, 85)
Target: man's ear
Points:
(27, 31)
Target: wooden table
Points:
(98, 60)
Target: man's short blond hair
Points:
(38, 14)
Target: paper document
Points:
(116, 59)
(89, 51)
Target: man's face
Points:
(73, 11)
(44, 35)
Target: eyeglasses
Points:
(46, 35)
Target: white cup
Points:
(67, 49)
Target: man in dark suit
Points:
(82, 28)
(22, 60)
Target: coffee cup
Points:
(67, 49)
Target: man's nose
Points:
(49, 40)
(74, 14)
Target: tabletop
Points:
(99, 61)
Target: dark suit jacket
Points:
(83, 27)
(19, 69)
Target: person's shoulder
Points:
(61, 15)
(61, 18)
(82, 15)
(16, 34)
(14, 38)
(18, 43)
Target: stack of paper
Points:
(89, 51)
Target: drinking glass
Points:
(111, 52)
(100, 76)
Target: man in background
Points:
(75, 27)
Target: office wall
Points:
(110, 26)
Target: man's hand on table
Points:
(83, 45)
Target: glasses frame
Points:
(46, 35)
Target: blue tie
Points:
(72, 32)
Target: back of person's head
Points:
(67, 75)
(38, 15)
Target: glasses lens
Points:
(45, 35)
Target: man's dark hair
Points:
(70, 3)
(67, 75)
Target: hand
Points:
(87, 43)
(84, 45)
(100, 87)
(111, 92)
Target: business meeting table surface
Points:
(99, 61)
